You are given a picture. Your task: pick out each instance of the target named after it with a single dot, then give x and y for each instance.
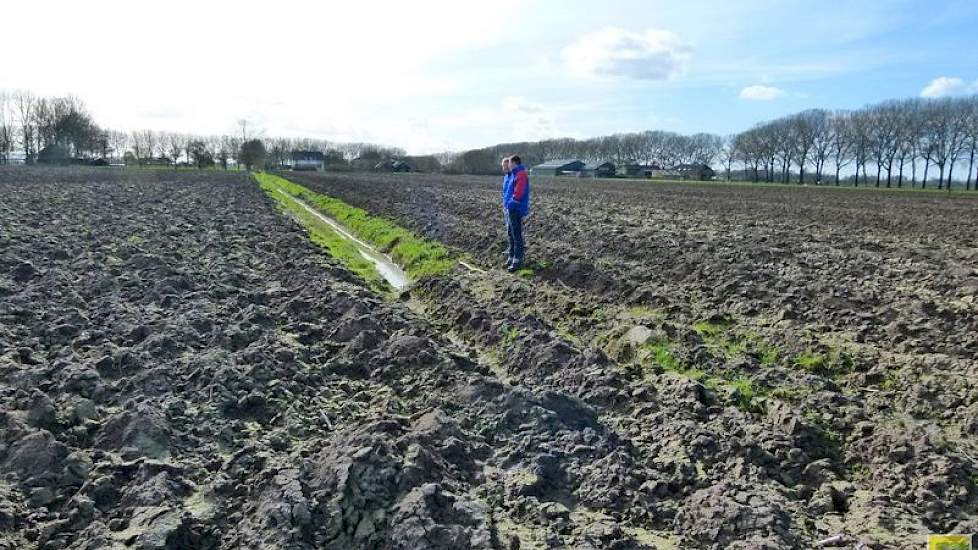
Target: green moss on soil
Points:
(720, 338)
(664, 357)
(323, 235)
(745, 395)
(830, 363)
(510, 334)
(417, 256)
(646, 312)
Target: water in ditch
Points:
(390, 271)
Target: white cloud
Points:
(512, 119)
(760, 92)
(513, 104)
(336, 65)
(944, 86)
(613, 52)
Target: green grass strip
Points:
(323, 235)
(418, 257)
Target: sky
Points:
(433, 75)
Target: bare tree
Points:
(243, 125)
(227, 150)
(841, 139)
(747, 149)
(119, 143)
(784, 146)
(948, 136)
(6, 127)
(703, 148)
(971, 141)
(174, 146)
(279, 149)
(906, 150)
(821, 142)
(190, 143)
(631, 146)
(150, 143)
(861, 124)
(880, 133)
(728, 154)
(136, 144)
(926, 152)
(890, 122)
(25, 103)
(958, 138)
(652, 147)
(914, 131)
(803, 130)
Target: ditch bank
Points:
(396, 277)
(386, 256)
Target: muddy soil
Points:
(788, 364)
(181, 368)
(896, 271)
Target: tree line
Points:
(890, 143)
(887, 143)
(655, 148)
(34, 123)
(29, 124)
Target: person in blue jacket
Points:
(516, 202)
(507, 184)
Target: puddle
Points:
(390, 271)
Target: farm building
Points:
(599, 169)
(559, 167)
(699, 171)
(308, 160)
(635, 169)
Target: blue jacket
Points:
(517, 196)
(507, 187)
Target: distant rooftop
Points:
(557, 163)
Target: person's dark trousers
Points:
(516, 237)
(509, 234)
